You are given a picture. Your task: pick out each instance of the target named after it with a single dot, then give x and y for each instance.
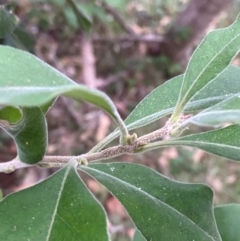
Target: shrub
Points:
(62, 208)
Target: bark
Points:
(189, 26)
(88, 62)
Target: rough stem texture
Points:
(134, 146)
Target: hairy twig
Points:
(135, 145)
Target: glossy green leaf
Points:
(222, 142)
(162, 209)
(30, 135)
(211, 57)
(8, 22)
(228, 220)
(227, 111)
(10, 115)
(59, 208)
(25, 80)
(138, 236)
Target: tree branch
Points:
(88, 61)
(147, 38)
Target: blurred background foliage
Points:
(125, 48)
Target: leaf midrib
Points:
(153, 117)
(201, 73)
(188, 143)
(217, 112)
(148, 195)
(57, 203)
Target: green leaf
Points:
(21, 39)
(161, 209)
(70, 17)
(138, 236)
(78, 15)
(101, 15)
(83, 16)
(211, 57)
(30, 135)
(86, 9)
(223, 112)
(47, 106)
(162, 100)
(118, 4)
(225, 85)
(222, 142)
(228, 220)
(25, 80)
(10, 115)
(59, 3)
(8, 22)
(59, 208)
